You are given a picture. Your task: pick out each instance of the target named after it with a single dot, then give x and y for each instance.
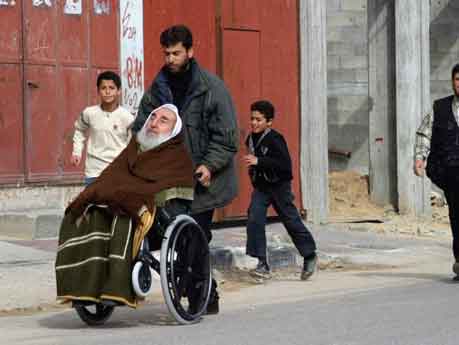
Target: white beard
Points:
(148, 140)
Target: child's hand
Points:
(75, 160)
(250, 160)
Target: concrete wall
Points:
(348, 83)
(32, 199)
(34, 212)
(348, 101)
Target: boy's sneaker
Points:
(261, 271)
(309, 267)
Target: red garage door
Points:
(259, 40)
(11, 102)
(253, 46)
(50, 54)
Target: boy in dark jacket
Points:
(270, 171)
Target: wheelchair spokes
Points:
(184, 269)
(187, 271)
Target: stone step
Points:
(30, 225)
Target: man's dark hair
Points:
(264, 107)
(109, 75)
(455, 70)
(176, 34)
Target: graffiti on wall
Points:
(102, 7)
(73, 7)
(42, 3)
(132, 69)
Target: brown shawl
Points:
(134, 177)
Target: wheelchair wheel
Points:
(141, 279)
(185, 270)
(95, 314)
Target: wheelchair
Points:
(183, 267)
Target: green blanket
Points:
(94, 258)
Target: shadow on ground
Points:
(123, 317)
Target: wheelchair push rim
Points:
(185, 270)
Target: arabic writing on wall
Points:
(132, 68)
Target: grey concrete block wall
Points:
(34, 212)
(347, 62)
(35, 198)
(347, 51)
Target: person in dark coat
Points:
(437, 145)
(210, 126)
(270, 170)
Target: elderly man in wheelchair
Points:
(138, 204)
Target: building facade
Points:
(51, 52)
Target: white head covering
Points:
(146, 141)
(178, 124)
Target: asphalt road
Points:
(408, 306)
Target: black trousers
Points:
(281, 197)
(204, 219)
(452, 198)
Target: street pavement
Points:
(27, 267)
(412, 305)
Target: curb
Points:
(234, 258)
(30, 227)
(226, 259)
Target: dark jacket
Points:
(211, 133)
(444, 147)
(274, 164)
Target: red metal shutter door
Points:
(73, 80)
(41, 111)
(11, 89)
(241, 72)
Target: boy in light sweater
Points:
(105, 126)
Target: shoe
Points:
(309, 267)
(261, 271)
(212, 306)
(456, 268)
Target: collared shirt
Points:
(424, 132)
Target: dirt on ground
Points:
(350, 203)
(349, 197)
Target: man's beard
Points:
(148, 140)
(181, 69)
